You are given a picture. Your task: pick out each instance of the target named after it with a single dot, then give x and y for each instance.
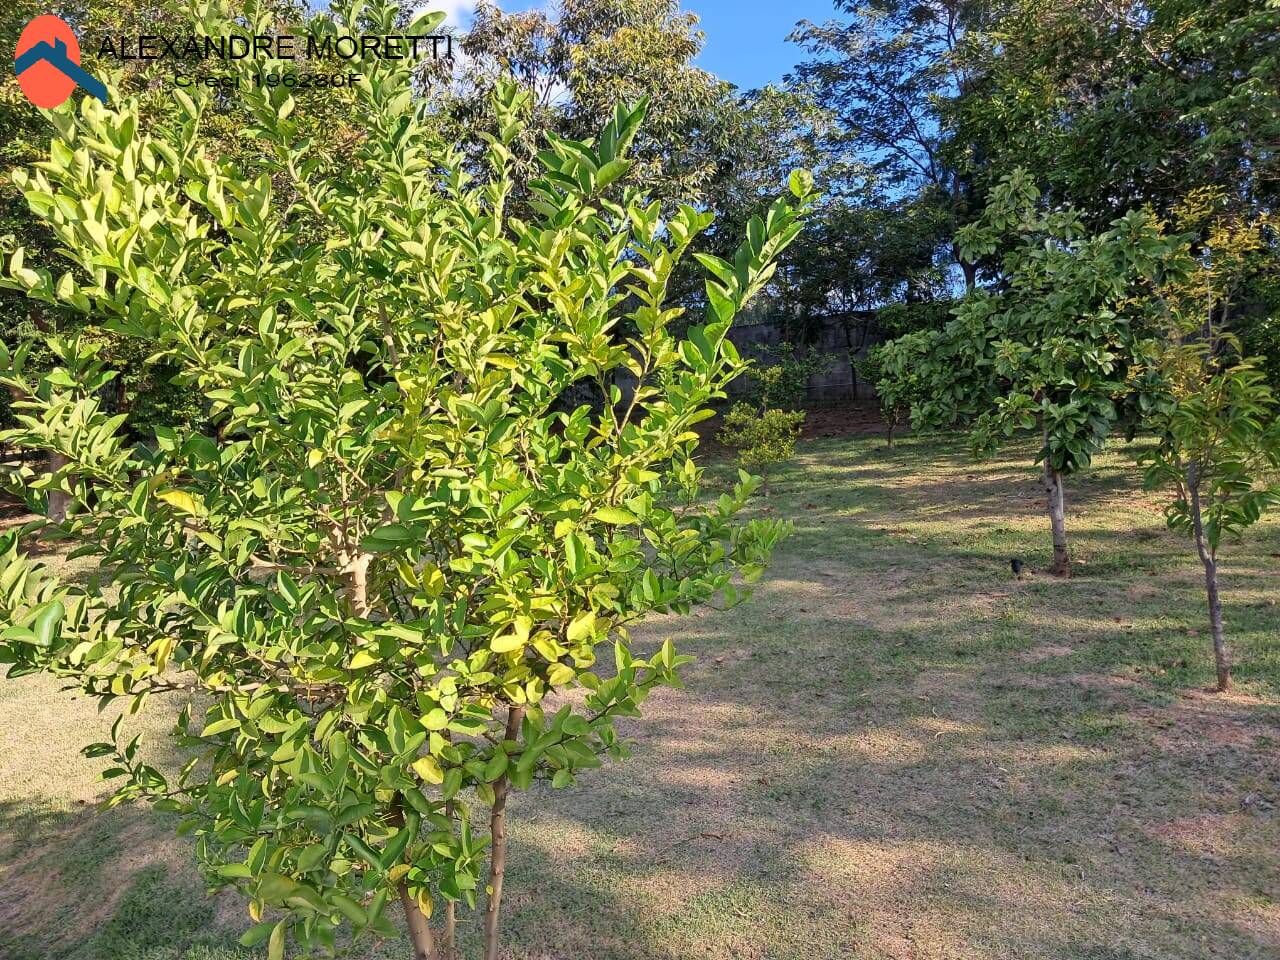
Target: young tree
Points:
(1057, 347)
(891, 368)
(400, 548)
(764, 437)
(1220, 439)
(1218, 424)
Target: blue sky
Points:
(745, 42)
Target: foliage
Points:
(784, 383)
(584, 58)
(763, 437)
(1218, 425)
(1218, 441)
(1119, 106)
(142, 388)
(1059, 346)
(889, 73)
(1218, 453)
(1125, 106)
(397, 547)
(891, 367)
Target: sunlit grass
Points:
(894, 750)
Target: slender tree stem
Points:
(449, 942)
(449, 949)
(58, 501)
(1209, 559)
(424, 943)
(498, 844)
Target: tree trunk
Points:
(1209, 558)
(851, 356)
(1057, 520)
(424, 944)
(449, 942)
(58, 501)
(968, 268)
(448, 947)
(498, 843)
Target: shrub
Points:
(784, 383)
(889, 367)
(763, 438)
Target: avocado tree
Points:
(1056, 345)
(381, 581)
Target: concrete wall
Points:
(834, 383)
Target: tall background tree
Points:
(582, 59)
(1118, 106)
(889, 73)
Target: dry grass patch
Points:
(894, 751)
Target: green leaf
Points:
(349, 908)
(800, 183)
(391, 536)
(615, 515)
(45, 625)
(428, 769)
(507, 643)
(275, 887)
(257, 933)
(183, 502)
(221, 726)
(275, 946)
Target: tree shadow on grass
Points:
(935, 823)
(893, 752)
(95, 884)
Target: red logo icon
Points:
(40, 74)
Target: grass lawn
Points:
(895, 750)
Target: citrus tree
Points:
(1219, 424)
(1056, 345)
(763, 437)
(1219, 449)
(381, 581)
(890, 368)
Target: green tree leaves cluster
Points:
(762, 436)
(1219, 449)
(1123, 107)
(590, 55)
(398, 549)
(1219, 421)
(1059, 348)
